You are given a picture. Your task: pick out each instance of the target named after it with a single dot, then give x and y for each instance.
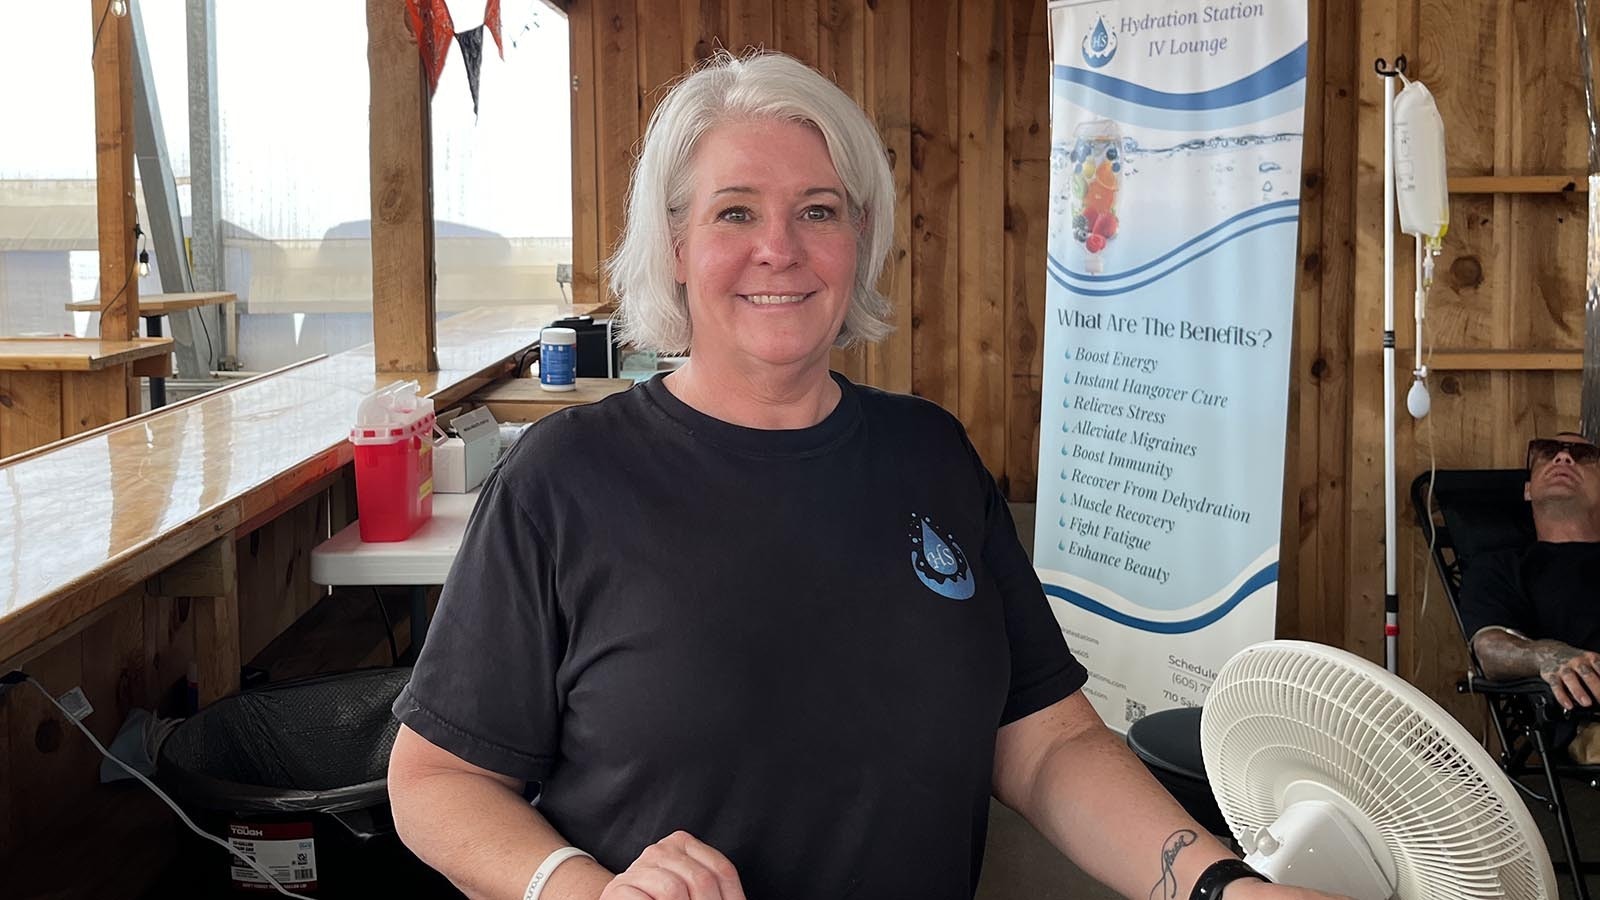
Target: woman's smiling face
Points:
(768, 248)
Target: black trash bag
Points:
(318, 744)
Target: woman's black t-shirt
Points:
(795, 645)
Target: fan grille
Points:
(1285, 711)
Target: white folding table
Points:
(418, 561)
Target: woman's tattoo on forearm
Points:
(1167, 887)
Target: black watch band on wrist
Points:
(1219, 875)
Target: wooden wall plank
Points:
(1027, 179)
(616, 114)
(401, 151)
(661, 57)
(586, 251)
(749, 25)
(30, 410)
(705, 26)
(92, 399)
(935, 206)
(795, 29)
(1296, 553)
(1322, 601)
(51, 762)
(169, 649)
(888, 77)
(983, 379)
(841, 55)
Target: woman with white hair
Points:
(753, 630)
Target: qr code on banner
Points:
(1135, 711)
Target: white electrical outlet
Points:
(563, 273)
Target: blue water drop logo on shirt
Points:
(937, 560)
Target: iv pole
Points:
(1589, 423)
(1391, 593)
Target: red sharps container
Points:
(394, 462)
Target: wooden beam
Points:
(1507, 360)
(402, 195)
(1518, 184)
(113, 163)
(586, 247)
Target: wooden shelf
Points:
(522, 400)
(1519, 184)
(163, 304)
(1499, 360)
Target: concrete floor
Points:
(1021, 865)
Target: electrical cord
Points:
(94, 45)
(139, 233)
(211, 352)
(18, 676)
(528, 355)
(388, 627)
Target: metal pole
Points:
(205, 215)
(1391, 593)
(1590, 421)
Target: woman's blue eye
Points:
(818, 213)
(735, 214)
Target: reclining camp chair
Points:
(1475, 511)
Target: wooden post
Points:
(116, 216)
(402, 194)
(113, 163)
(209, 576)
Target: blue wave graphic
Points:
(1254, 210)
(1123, 112)
(1055, 264)
(1252, 584)
(1288, 69)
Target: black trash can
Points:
(295, 775)
(1168, 743)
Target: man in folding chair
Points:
(1536, 611)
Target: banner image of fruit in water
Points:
(1176, 131)
(1095, 184)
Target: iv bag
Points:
(1421, 191)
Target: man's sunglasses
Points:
(1542, 450)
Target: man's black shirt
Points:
(1547, 591)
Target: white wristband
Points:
(542, 874)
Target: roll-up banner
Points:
(1176, 130)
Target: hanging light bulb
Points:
(119, 8)
(144, 263)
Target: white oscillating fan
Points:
(1336, 775)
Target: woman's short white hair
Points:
(652, 305)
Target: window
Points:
(292, 90)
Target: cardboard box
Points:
(461, 462)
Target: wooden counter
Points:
(65, 354)
(51, 388)
(89, 518)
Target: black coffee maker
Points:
(597, 350)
